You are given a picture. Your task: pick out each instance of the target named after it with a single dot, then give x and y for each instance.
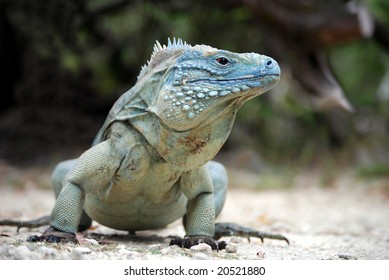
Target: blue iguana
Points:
(151, 162)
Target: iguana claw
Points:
(231, 229)
(52, 235)
(189, 241)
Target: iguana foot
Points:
(230, 229)
(189, 241)
(52, 235)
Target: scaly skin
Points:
(150, 164)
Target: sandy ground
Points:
(348, 220)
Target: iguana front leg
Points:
(58, 176)
(219, 182)
(199, 220)
(93, 170)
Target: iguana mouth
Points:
(226, 81)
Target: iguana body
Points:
(150, 164)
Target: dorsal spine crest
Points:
(158, 48)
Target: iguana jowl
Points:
(150, 164)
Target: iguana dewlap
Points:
(150, 164)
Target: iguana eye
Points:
(222, 60)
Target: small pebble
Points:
(154, 246)
(346, 257)
(47, 251)
(202, 247)
(32, 246)
(87, 241)
(261, 254)
(83, 250)
(201, 256)
(22, 252)
(236, 240)
(4, 251)
(124, 251)
(232, 247)
(171, 250)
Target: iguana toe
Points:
(190, 241)
(231, 229)
(35, 238)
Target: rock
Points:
(22, 253)
(82, 250)
(121, 246)
(87, 241)
(236, 240)
(4, 252)
(232, 247)
(202, 247)
(32, 246)
(46, 251)
(346, 257)
(124, 251)
(172, 250)
(261, 254)
(201, 256)
(154, 246)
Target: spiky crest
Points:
(175, 44)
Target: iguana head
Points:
(195, 84)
